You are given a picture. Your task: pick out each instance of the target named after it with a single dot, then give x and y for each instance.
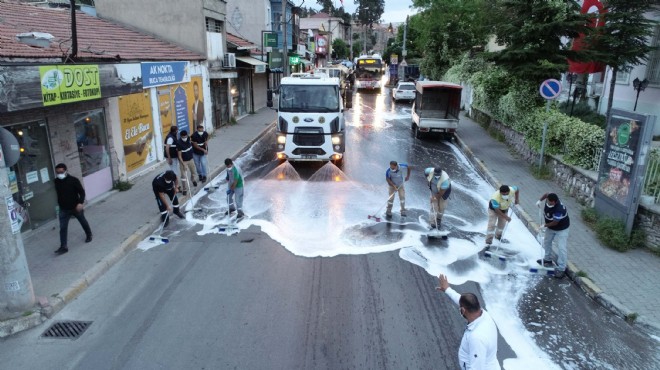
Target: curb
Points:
(47, 308)
(587, 285)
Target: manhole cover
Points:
(66, 329)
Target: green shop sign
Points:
(294, 60)
(270, 40)
(69, 83)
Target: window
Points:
(277, 21)
(653, 66)
(92, 141)
(623, 75)
(213, 25)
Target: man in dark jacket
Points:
(165, 188)
(185, 151)
(70, 198)
(556, 224)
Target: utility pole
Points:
(16, 293)
(285, 52)
(405, 34)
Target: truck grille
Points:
(308, 136)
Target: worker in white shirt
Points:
(478, 349)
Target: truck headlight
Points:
(336, 140)
(281, 139)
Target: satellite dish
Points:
(11, 151)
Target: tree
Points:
(624, 40)
(340, 49)
(532, 33)
(369, 12)
(444, 30)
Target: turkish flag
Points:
(588, 7)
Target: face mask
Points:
(61, 176)
(548, 205)
(436, 177)
(200, 131)
(184, 138)
(505, 197)
(168, 182)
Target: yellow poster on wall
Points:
(137, 130)
(181, 105)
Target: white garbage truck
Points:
(310, 119)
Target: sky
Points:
(395, 10)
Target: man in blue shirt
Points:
(395, 180)
(556, 224)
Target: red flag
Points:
(589, 6)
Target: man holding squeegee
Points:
(395, 180)
(440, 186)
(498, 209)
(165, 188)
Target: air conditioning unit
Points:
(230, 60)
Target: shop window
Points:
(92, 141)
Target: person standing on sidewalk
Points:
(171, 154)
(234, 188)
(395, 180)
(556, 225)
(478, 348)
(71, 200)
(165, 187)
(185, 150)
(498, 209)
(200, 142)
(440, 186)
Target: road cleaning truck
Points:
(310, 119)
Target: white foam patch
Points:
(329, 218)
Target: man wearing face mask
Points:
(234, 188)
(165, 188)
(498, 209)
(478, 350)
(556, 224)
(200, 142)
(395, 180)
(185, 151)
(440, 186)
(71, 200)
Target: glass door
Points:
(92, 140)
(31, 178)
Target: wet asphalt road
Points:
(245, 302)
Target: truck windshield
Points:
(309, 98)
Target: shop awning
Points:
(259, 66)
(305, 62)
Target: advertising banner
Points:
(164, 73)
(69, 83)
(181, 105)
(321, 44)
(137, 130)
(623, 164)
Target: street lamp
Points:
(639, 86)
(570, 77)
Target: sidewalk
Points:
(625, 283)
(119, 221)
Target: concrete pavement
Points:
(119, 221)
(625, 283)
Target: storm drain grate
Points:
(66, 329)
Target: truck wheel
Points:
(418, 134)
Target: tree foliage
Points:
(369, 12)
(623, 41)
(532, 33)
(340, 49)
(444, 30)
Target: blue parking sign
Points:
(550, 89)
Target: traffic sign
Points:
(550, 89)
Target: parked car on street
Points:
(404, 91)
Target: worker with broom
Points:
(440, 186)
(163, 185)
(498, 209)
(395, 180)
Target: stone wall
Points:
(577, 182)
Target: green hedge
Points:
(518, 105)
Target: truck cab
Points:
(436, 108)
(310, 120)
